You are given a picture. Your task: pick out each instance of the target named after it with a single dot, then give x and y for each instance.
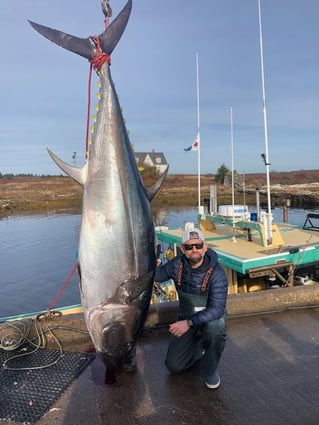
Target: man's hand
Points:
(179, 328)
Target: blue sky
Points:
(44, 87)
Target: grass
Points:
(32, 195)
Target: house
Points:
(152, 159)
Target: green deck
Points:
(236, 252)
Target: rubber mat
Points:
(26, 395)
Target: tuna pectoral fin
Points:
(152, 190)
(78, 174)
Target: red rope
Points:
(100, 56)
(58, 296)
(96, 63)
(88, 114)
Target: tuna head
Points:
(115, 326)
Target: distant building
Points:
(152, 159)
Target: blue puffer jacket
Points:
(191, 281)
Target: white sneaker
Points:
(213, 381)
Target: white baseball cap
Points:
(193, 233)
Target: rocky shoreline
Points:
(59, 194)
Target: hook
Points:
(106, 8)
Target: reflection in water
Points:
(174, 218)
(37, 254)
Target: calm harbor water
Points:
(37, 254)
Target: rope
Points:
(88, 113)
(100, 56)
(29, 333)
(58, 296)
(97, 63)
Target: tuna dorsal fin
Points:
(152, 190)
(85, 46)
(77, 174)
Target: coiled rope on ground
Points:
(25, 337)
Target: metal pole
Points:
(232, 170)
(266, 157)
(198, 134)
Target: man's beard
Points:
(195, 260)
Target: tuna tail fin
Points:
(152, 190)
(77, 174)
(85, 46)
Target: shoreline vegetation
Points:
(60, 194)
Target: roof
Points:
(158, 158)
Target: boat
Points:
(250, 262)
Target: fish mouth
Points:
(116, 349)
(116, 336)
(113, 329)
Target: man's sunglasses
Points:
(188, 247)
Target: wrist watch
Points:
(190, 323)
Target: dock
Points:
(269, 376)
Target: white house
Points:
(152, 159)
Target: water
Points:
(37, 255)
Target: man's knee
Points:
(172, 366)
(215, 331)
(216, 327)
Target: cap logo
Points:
(192, 233)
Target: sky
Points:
(44, 88)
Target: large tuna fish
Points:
(116, 260)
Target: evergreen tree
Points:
(221, 173)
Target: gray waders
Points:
(206, 342)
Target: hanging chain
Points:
(107, 10)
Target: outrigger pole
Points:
(232, 169)
(265, 156)
(200, 210)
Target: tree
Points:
(221, 173)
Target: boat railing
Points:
(308, 224)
